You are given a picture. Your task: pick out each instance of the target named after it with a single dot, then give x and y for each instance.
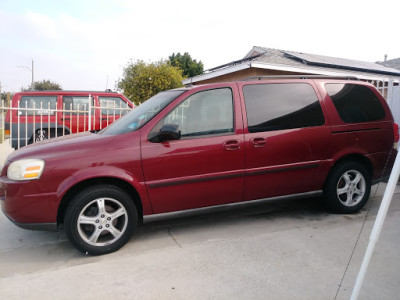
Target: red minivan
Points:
(202, 146)
(39, 115)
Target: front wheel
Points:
(347, 188)
(100, 220)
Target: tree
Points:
(44, 85)
(142, 80)
(6, 97)
(189, 66)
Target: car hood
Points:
(62, 147)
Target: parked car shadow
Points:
(271, 210)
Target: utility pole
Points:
(32, 72)
(30, 69)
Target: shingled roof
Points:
(303, 63)
(392, 63)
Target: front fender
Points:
(105, 171)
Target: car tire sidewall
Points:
(81, 200)
(330, 197)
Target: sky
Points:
(85, 44)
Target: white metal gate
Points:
(33, 124)
(393, 99)
(390, 90)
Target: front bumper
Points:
(34, 226)
(26, 206)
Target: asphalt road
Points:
(290, 249)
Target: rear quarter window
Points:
(355, 103)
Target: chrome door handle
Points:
(231, 145)
(258, 142)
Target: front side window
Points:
(204, 113)
(113, 106)
(77, 104)
(38, 105)
(355, 103)
(281, 106)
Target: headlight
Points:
(25, 169)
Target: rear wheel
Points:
(347, 188)
(44, 134)
(100, 220)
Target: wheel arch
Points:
(52, 129)
(74, 190)
(333, 200)
(62, 128)
(352, 158)
(55, 127)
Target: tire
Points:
(92, 224)
(347, 187)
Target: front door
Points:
(205, 166)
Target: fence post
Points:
(390, 92)
(18, 124)
(3, 113)
(11, 123)
(90, 114)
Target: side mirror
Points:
(167, 132)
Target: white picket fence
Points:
(390, 90)
(393, 100)
(33, 124)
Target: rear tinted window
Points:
(281, 106)
(355, 103)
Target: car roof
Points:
(65, 92)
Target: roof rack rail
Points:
(70, 91)
(300, 77)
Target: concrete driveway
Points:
(291, 249)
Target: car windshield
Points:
(142, 114)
